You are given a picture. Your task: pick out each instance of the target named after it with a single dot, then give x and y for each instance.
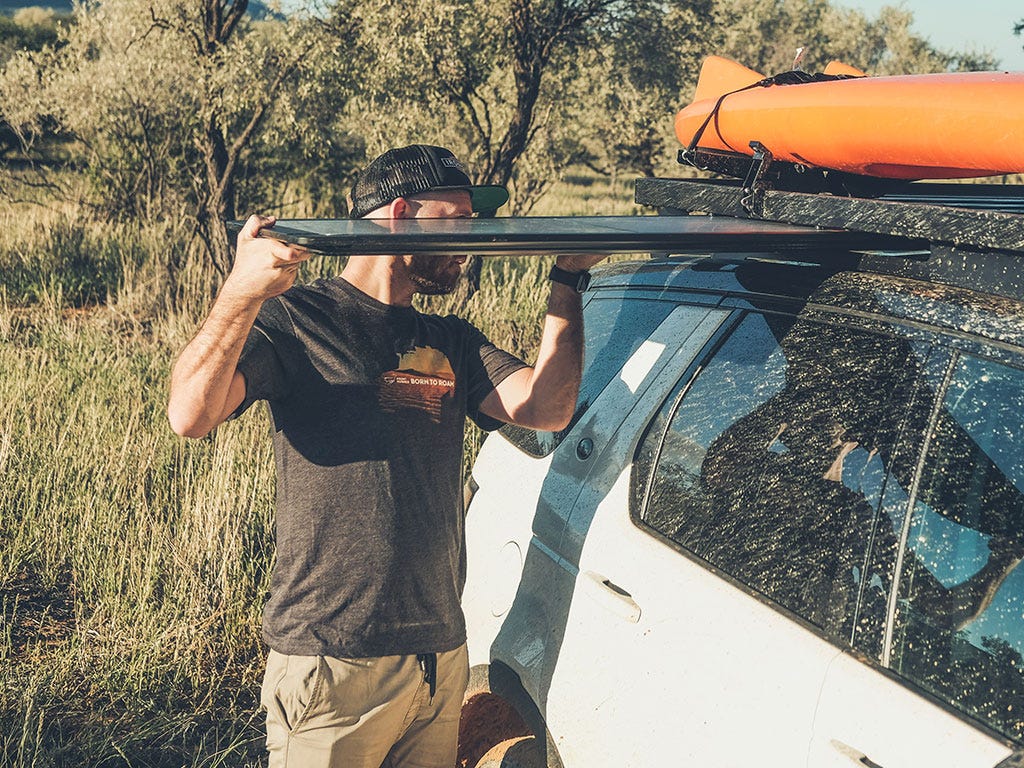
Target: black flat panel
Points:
(524, 236)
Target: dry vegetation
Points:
(134, 564)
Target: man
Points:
(368, 397)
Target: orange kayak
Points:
(940, 126)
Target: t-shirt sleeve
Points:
(487, 367)
(261, 361)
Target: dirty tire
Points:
(520, 752)
(487, 720)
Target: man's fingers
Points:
(286, 254)
(580, 262)
(283, 253)
(254, 224)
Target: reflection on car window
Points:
(960, 620)
(774, 458)
(614, 329)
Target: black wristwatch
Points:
(579, 281)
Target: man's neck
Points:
(380, 277)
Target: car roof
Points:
(771, 283)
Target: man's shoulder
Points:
(450, 323)
(320, 293)
(322, 286)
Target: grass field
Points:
(134, 564)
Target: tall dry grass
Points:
(134, 564)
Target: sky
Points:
(962, 24)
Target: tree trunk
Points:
(218, 204)
(215, 237)
(220, 19)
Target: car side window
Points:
(959, 629)
(770, 463)
(614, 328)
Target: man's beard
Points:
(434, 275)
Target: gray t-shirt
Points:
(368, 403)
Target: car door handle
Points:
(611, 596)
(854, 754)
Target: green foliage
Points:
(67, 261)
(639, 76)
(175, 117)
(766, 34)
(521, 90)
(30, 29)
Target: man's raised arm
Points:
(544, 396)
(206, 387)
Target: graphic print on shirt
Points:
(422, 380)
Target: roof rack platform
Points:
(978, 217)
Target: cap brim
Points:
(488, 198)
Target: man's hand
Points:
(263, 267)
(580, 262)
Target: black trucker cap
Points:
(414, 169)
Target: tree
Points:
(29, 29)
(640, 75)
(474, 75)
(766, 34)
(172, 103)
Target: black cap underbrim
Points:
(488, 197)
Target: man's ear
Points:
(399, 208)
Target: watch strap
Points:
(578, 281)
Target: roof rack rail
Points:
(979, 217)
(1008, 198)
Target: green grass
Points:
(586, 194)
(134, 564)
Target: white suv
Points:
(782, 529)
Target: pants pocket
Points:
(291, 689)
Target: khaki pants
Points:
(324, 712)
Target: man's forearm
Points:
(202, 376)
(555, 381)
(544, 397)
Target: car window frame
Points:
(953, 347)
(741, 308)
(517, 435)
